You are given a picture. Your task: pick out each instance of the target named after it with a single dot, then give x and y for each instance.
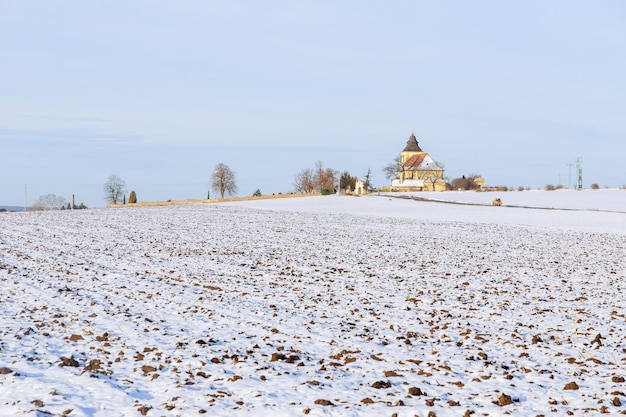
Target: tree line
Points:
(317, 179)
(54, 202)
(326, 180)
(223, 182)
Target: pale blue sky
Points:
(159, 92)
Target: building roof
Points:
(421, 162)
(412, 145)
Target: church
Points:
(417, 171)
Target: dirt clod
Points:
(69, 361)
(504, 400)
(381, 384)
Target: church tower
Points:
(417, 170)
(412, 148)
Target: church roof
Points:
(412, 145)
(415, 161)
(421, 162)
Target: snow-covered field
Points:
(335, 305)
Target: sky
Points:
(159, 92)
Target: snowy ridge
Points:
(318, 306)
(609, 200)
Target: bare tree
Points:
(223, 180)
(114, 189)
(391, 170)
(434, 177)
(324, 178)
(49, 202)
(321, 179)
(433, 180)
(304, 181)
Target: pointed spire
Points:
(412, 145)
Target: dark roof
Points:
(412, 145)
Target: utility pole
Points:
(579, 172)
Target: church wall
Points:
(420, 175)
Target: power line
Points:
(579, 172)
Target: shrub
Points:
(327, 191)
(465, 183)
(132, 198)
(550, 187)
(595, 186)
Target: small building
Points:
(359, 187)
(417, 171)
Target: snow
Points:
(591, 210)
(316, 306)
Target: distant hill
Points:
(12, 208)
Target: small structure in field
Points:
(359, 187)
